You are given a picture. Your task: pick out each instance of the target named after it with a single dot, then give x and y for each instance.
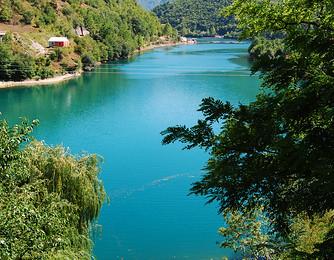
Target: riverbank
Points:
(62, 78)
(32, 82)
(160, 45)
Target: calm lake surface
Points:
(118, 112)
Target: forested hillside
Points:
(196, 17)
(116, 29)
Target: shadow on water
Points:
(55, 101)
(241, 60)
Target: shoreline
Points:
(40, 82)
(62, 78)
(160, 45)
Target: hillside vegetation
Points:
(117, 29)
(196, 17)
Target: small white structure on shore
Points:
(188, 41)
(2, 34)
(183, 39)
(59, 42)
(192, 41)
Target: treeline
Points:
(117, 29)
(196, 17)
(271, 161)
(48, 198)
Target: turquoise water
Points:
(118, 112)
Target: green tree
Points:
(28, 16)
(5, 11)
(276, 152)
(167, 29)
(212, 31)
(6, 55)
(22, 67)
(249, 232)
(48, 198)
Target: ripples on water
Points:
(124, 194)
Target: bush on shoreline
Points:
(48, 198)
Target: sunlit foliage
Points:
(48, 198)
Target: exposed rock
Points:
(39, 48)
(81, 31)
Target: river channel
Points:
(118, 112)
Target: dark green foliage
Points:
(20, 66)
(195, 17)
(5, 11)
(87, 62)
(167, 29)
(15, 66)
(263, 50)
(278, 151)
(48, 15)
(48, 198)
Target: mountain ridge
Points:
(196, 17)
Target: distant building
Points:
(81, 31)
(183, 39)
(2, 34)
(188, 41)
(59, 42)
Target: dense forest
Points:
(271, 161)
(48, 197)
(116, 29)
(196, 17)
